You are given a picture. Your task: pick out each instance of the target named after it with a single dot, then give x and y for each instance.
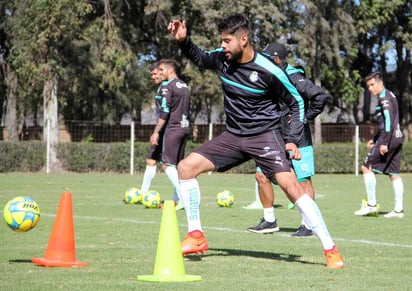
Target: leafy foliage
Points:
(99, 51)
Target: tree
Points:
(385, 30)
(325, 38)
(41, 30)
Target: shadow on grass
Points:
(216, 252)
(286, 229)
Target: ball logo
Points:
(30, 205)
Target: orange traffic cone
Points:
(60, 250)
(169, 265)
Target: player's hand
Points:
(294, 153)
(370, 144)
(154, 139)
(383, 149)
(177, 29)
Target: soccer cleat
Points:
(302, 232)
(394, 214)
(264, 227)
(368, 210)
(194, 243)
(334, 259)
(254, 205)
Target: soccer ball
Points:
(21, 213)
(132, 196)
(225, 198)
(151, 199)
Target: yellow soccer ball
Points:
(225, 199)
(151, 199)
(133, 196)
(21, 213)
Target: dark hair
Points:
(169, 62)
(374, 75)
(154, 66)
(233, 23)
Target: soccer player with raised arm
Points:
(253, 88)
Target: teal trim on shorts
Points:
(305, 167)
(304, 179)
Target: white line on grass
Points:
(368, 242)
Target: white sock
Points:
(190, 195)
(148, 176)
(398, 194)
(370, 185)
(305, 224)
(313, 217)
(171, 173)
(269, 214)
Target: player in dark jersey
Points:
(173, 126)
(253, 87)
(153, 156)
(315, 99)
(385, 150)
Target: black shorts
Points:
(266, 149)
(388, 164)
(173, 146)
(155, 151)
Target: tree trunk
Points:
(51, 118)
(11, 118)
(317, 130)
(317, 135)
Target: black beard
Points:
(236, 57)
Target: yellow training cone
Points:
(169, 265)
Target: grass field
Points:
(119, 242)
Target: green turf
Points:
(119, 241)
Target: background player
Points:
(385, 150)
(315, 100)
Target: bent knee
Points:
(185, 170)
(261, 178)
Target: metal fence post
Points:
(132, 148)
(357, 150)
(47, 146)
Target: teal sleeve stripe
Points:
(292, 70)
(269, 65)
(164, 105)
(387, 120)
(158, 97)
(215, 50)
(243, 87)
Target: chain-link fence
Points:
(92, 131)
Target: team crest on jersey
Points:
(254, 76)
(164, 91)
(385, 103)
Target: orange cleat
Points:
(334, 259)
(194, 243)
